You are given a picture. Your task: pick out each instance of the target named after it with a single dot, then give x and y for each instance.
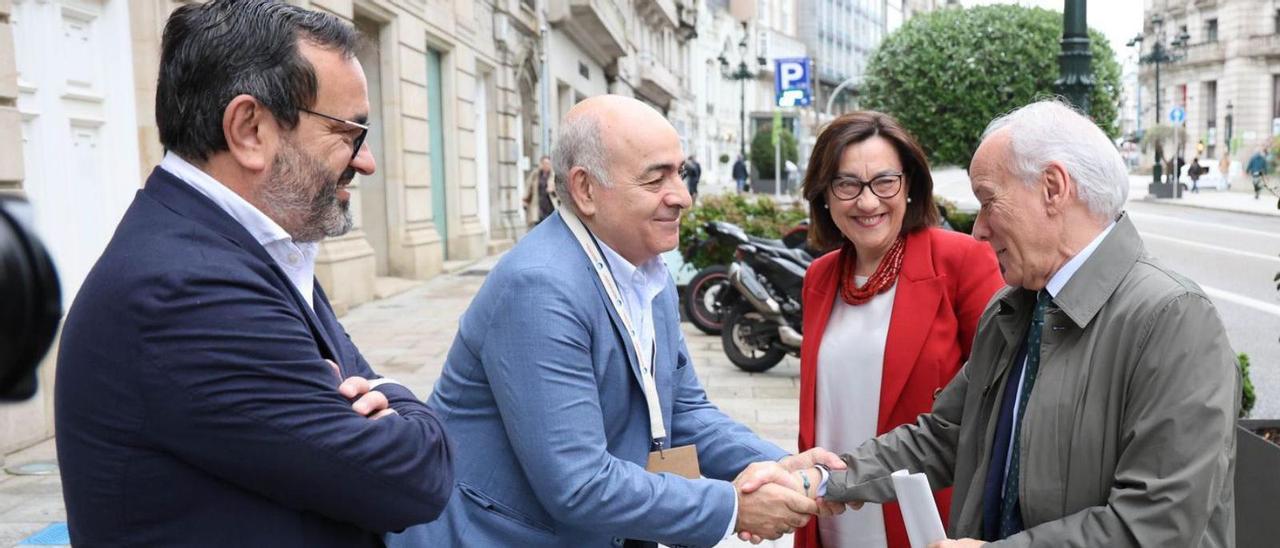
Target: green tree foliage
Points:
(762, 151)
(947, 73)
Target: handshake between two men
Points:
(776, 498)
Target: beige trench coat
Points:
(1128, 436)
(531, 195)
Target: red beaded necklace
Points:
(885, 276)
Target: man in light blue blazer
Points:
(543, 392)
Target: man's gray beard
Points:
(307, 213)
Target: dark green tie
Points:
(1010, 517)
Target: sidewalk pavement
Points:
(952, 183)
(406, 337)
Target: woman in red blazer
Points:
(890, 315)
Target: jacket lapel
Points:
(914, 305)
(1013, 316)
(666, 340)
(618, 327)
(331, 331)
(820, 281)
(188, 202)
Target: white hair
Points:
(1050, 130)
(578, 145)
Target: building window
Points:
(1277, 22)
(1211, 30)
(1275, 96)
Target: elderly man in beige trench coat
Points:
(1119, 431)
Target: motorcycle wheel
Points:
(702, 298)
(739, 322)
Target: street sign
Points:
(1177, 114)
(791, 82)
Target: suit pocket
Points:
(488, 504)
(681, 360)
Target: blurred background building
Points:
(1222, 69)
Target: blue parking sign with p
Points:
(791, 82)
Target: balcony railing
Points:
(1204, 52)
(597, 25)
(663, 11)
(656, 81)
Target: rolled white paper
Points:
(919, 512)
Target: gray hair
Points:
(1051, 130)
(578, 145)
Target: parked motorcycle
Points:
(705, 290)
(762, 319)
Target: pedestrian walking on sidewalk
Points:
(540, 193)
(740, 173)
(1257, 168)
(206, 393)
(1194, 171)
(692, 175)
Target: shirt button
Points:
(294, 258)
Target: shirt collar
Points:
(1064, 274)
(650, 281)
(263, 229)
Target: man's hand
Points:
(807, 459)
(800, 462)
(962, 543)
(793, 463)
(772, 511)
(368, 402)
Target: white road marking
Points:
(1261, 306)
(1204, 223)
(1250, 254)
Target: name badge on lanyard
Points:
(682, 460)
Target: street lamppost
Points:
(1159, 55)
(741, 73)
(1075, 79)
(1229, 119)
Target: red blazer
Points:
(946, 281)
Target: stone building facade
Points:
(1230, 67)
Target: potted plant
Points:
(1257, 480)
(762, 157)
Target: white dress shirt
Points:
(639, 286)
(1056, 283)
(298, 260)
(850, 370)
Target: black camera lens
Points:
(30, 300)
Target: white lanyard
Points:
(644, 355)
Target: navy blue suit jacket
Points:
(194, 405)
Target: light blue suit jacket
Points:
(541, 396)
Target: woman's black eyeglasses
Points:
(359, 140)
(884, 186)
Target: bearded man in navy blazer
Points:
(545, 389)
(206, 394)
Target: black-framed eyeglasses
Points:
(359, 140)
(884, 186)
